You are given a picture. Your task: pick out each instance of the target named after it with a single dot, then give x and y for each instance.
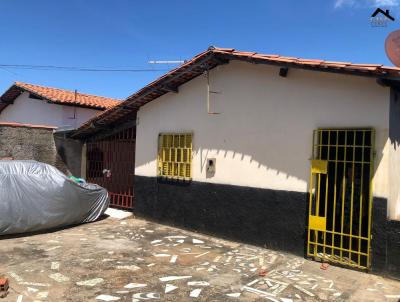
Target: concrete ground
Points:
(135, 260)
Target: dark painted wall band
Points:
(269, 218)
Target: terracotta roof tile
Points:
(61, 96)
(376, 69)
(337, 62)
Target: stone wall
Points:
(30, 142)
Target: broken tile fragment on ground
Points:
(139, 261)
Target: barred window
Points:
(175, 155)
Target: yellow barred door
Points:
(340, 204)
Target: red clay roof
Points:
(213, 57)
(7, 124)
(371, 69)
(59, 96)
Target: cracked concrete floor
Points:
(136, 260)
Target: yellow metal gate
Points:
(340, 205)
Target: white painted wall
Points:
(32, 111)
(263, 136)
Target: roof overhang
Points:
(217, 56)
(12, 93)
(9, 96)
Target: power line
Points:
(75, 68)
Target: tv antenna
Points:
(166, 62)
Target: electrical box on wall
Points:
(211, 165)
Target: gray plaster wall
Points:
(70, 152)
(40, 144)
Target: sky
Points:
(126, 34)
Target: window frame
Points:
(184, 168)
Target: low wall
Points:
(37, 142)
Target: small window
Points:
(175, 156)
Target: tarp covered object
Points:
(35, 196)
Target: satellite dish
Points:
(392, 47)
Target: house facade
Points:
(292, 154)
(34, 104)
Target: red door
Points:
(111, 164)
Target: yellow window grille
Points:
(175, 155)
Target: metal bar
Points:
(326, 189)
(352, 191)
(371, 179)
(361, 199)
(343, 194)
(316, 233)
(348, 235)
(172, 159)
(350, 162)
(190, 154)
(310, 200)
(184, 151)
(319, 177)
(179, 156)
(335, 193)
(340, 249)
(356, 146)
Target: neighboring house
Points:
(34, 104)
(293, 154)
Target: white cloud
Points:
(341, 3)
(366, 3)
(385, 3)
(338, 3)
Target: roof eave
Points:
(5, 99)
(196, 66)
(312, 67)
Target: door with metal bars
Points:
(111, 164)
(340, 205)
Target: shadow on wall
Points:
(274, 218)
(263, 135)
(394, 119)
(269, 159)
(394, 136)
(69, 152)
(262, 143)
